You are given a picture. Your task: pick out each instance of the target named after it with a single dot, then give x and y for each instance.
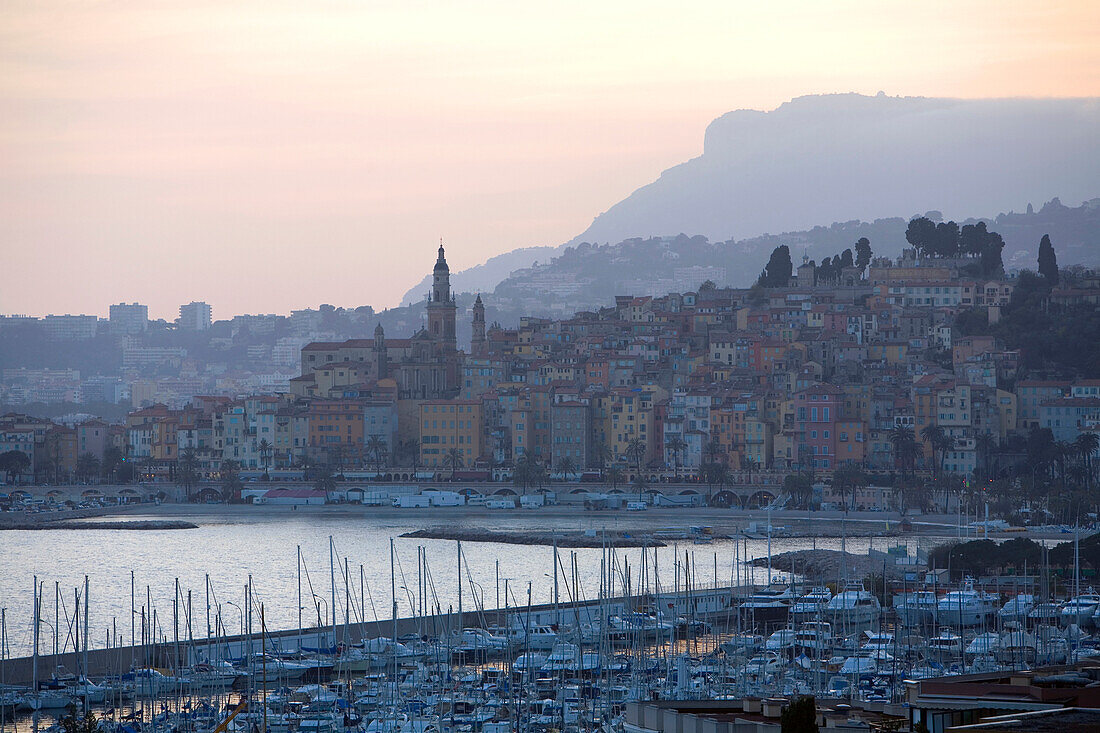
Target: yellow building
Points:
(446, 425)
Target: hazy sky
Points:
(271, 155)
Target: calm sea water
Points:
(228, 549)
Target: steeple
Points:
(478, 345)
(441, 306)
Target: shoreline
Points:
(569, 539)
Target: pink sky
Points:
(273, 155)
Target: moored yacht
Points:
(853, 608)
(1016, 608)
(810, 606)
(917, 608)
(767, 606)
(1080, 610)
(966, 606)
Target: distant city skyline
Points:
(271, 157)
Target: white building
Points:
(129, 318)
(195, 316)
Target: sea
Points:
(191, 578)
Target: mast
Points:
(84, 670)
(332, 579)
(459, 545)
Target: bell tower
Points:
(441, 306)
(478, 345)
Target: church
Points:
(425, 366)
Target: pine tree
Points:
(1048, 261)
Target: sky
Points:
(267, 156)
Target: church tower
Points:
(380, 363)
(478, 344)
(441, 307)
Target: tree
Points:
(921, 233)
(377, 453)
(715, 474)
(112, 463)
(264, 449)
(453, 460)
(230, 472)
(799, 487)
(323, 479)
(635, 451)
(615, 476)
(187, 474)
(846, 480)
(14, 463)
(748, 465)
(72, 724)
(676, 447)
(87, 466)
(992, 264)
(409, 451)
(1048, 261)
(777, 273)
(846, 259)
(603, 455)
(933, 435)
(800, 716)
(1087, 445)
(863, 252)
(905, 447)
(566, 466)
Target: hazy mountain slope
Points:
(847, 156)
(486, 276)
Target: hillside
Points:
(848, 156)
(587, 276)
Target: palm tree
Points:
(748, 464)
(1087, 445)
(453, 459)
(187, 471)
(715, 474)
(323, 480)
(712, 451)
(846, 480)
(377, 452)
(231, 480)
(1063, 451)
(985, 445)
(87, 465)
(603, 455)
(676, 447)
(905, 446)
(933, 435)
(265, 454)
(566, 466)
(615, 476)
(635, 451)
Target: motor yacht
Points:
(917, 608)
(810, 606)
(1080, 610)
(853, 608)
(1016, 608)
(966, 607)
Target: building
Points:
(450, 425)
(570, 434)
(195, 316)
(70, 328)
(129, 318)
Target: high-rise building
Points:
(70, 328)
(129, 318)
(195, 316)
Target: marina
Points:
(454, 638)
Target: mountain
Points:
(849, 156)
(483, 277)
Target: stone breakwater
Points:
(827, 565)
(68, 524)
(569, 539)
